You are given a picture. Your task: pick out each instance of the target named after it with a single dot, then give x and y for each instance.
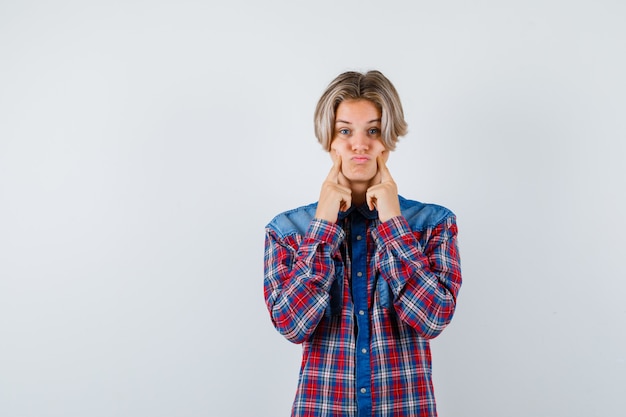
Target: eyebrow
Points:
(347, 122)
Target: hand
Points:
(383, 194)
(335, 195)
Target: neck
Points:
(359, 191)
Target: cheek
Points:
(338, 147)
(381, 150)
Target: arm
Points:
(424, 280)
(298, 277)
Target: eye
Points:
(374, 131)
(344, 131)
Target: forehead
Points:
(354, 111)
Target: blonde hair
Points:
(372, 86)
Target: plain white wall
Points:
(144, 145)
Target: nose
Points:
(360, 141)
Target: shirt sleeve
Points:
(299, 272)
(423, 272)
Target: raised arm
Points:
(423, 271)
(299, 272)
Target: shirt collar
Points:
(363, 209)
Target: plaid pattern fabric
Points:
(363, 298)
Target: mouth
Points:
(360, 159)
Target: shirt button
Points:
(361, 312)
(359, 274)
(359, 237)
(364, 350)
(363, 390)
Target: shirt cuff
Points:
(393, 229)
(325, 232)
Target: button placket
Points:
(360, 297)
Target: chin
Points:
(359, 178)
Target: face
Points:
(357, 139)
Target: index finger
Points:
(382, 168)
(333, 175)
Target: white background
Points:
(144, 145)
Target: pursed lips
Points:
(360, 159)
